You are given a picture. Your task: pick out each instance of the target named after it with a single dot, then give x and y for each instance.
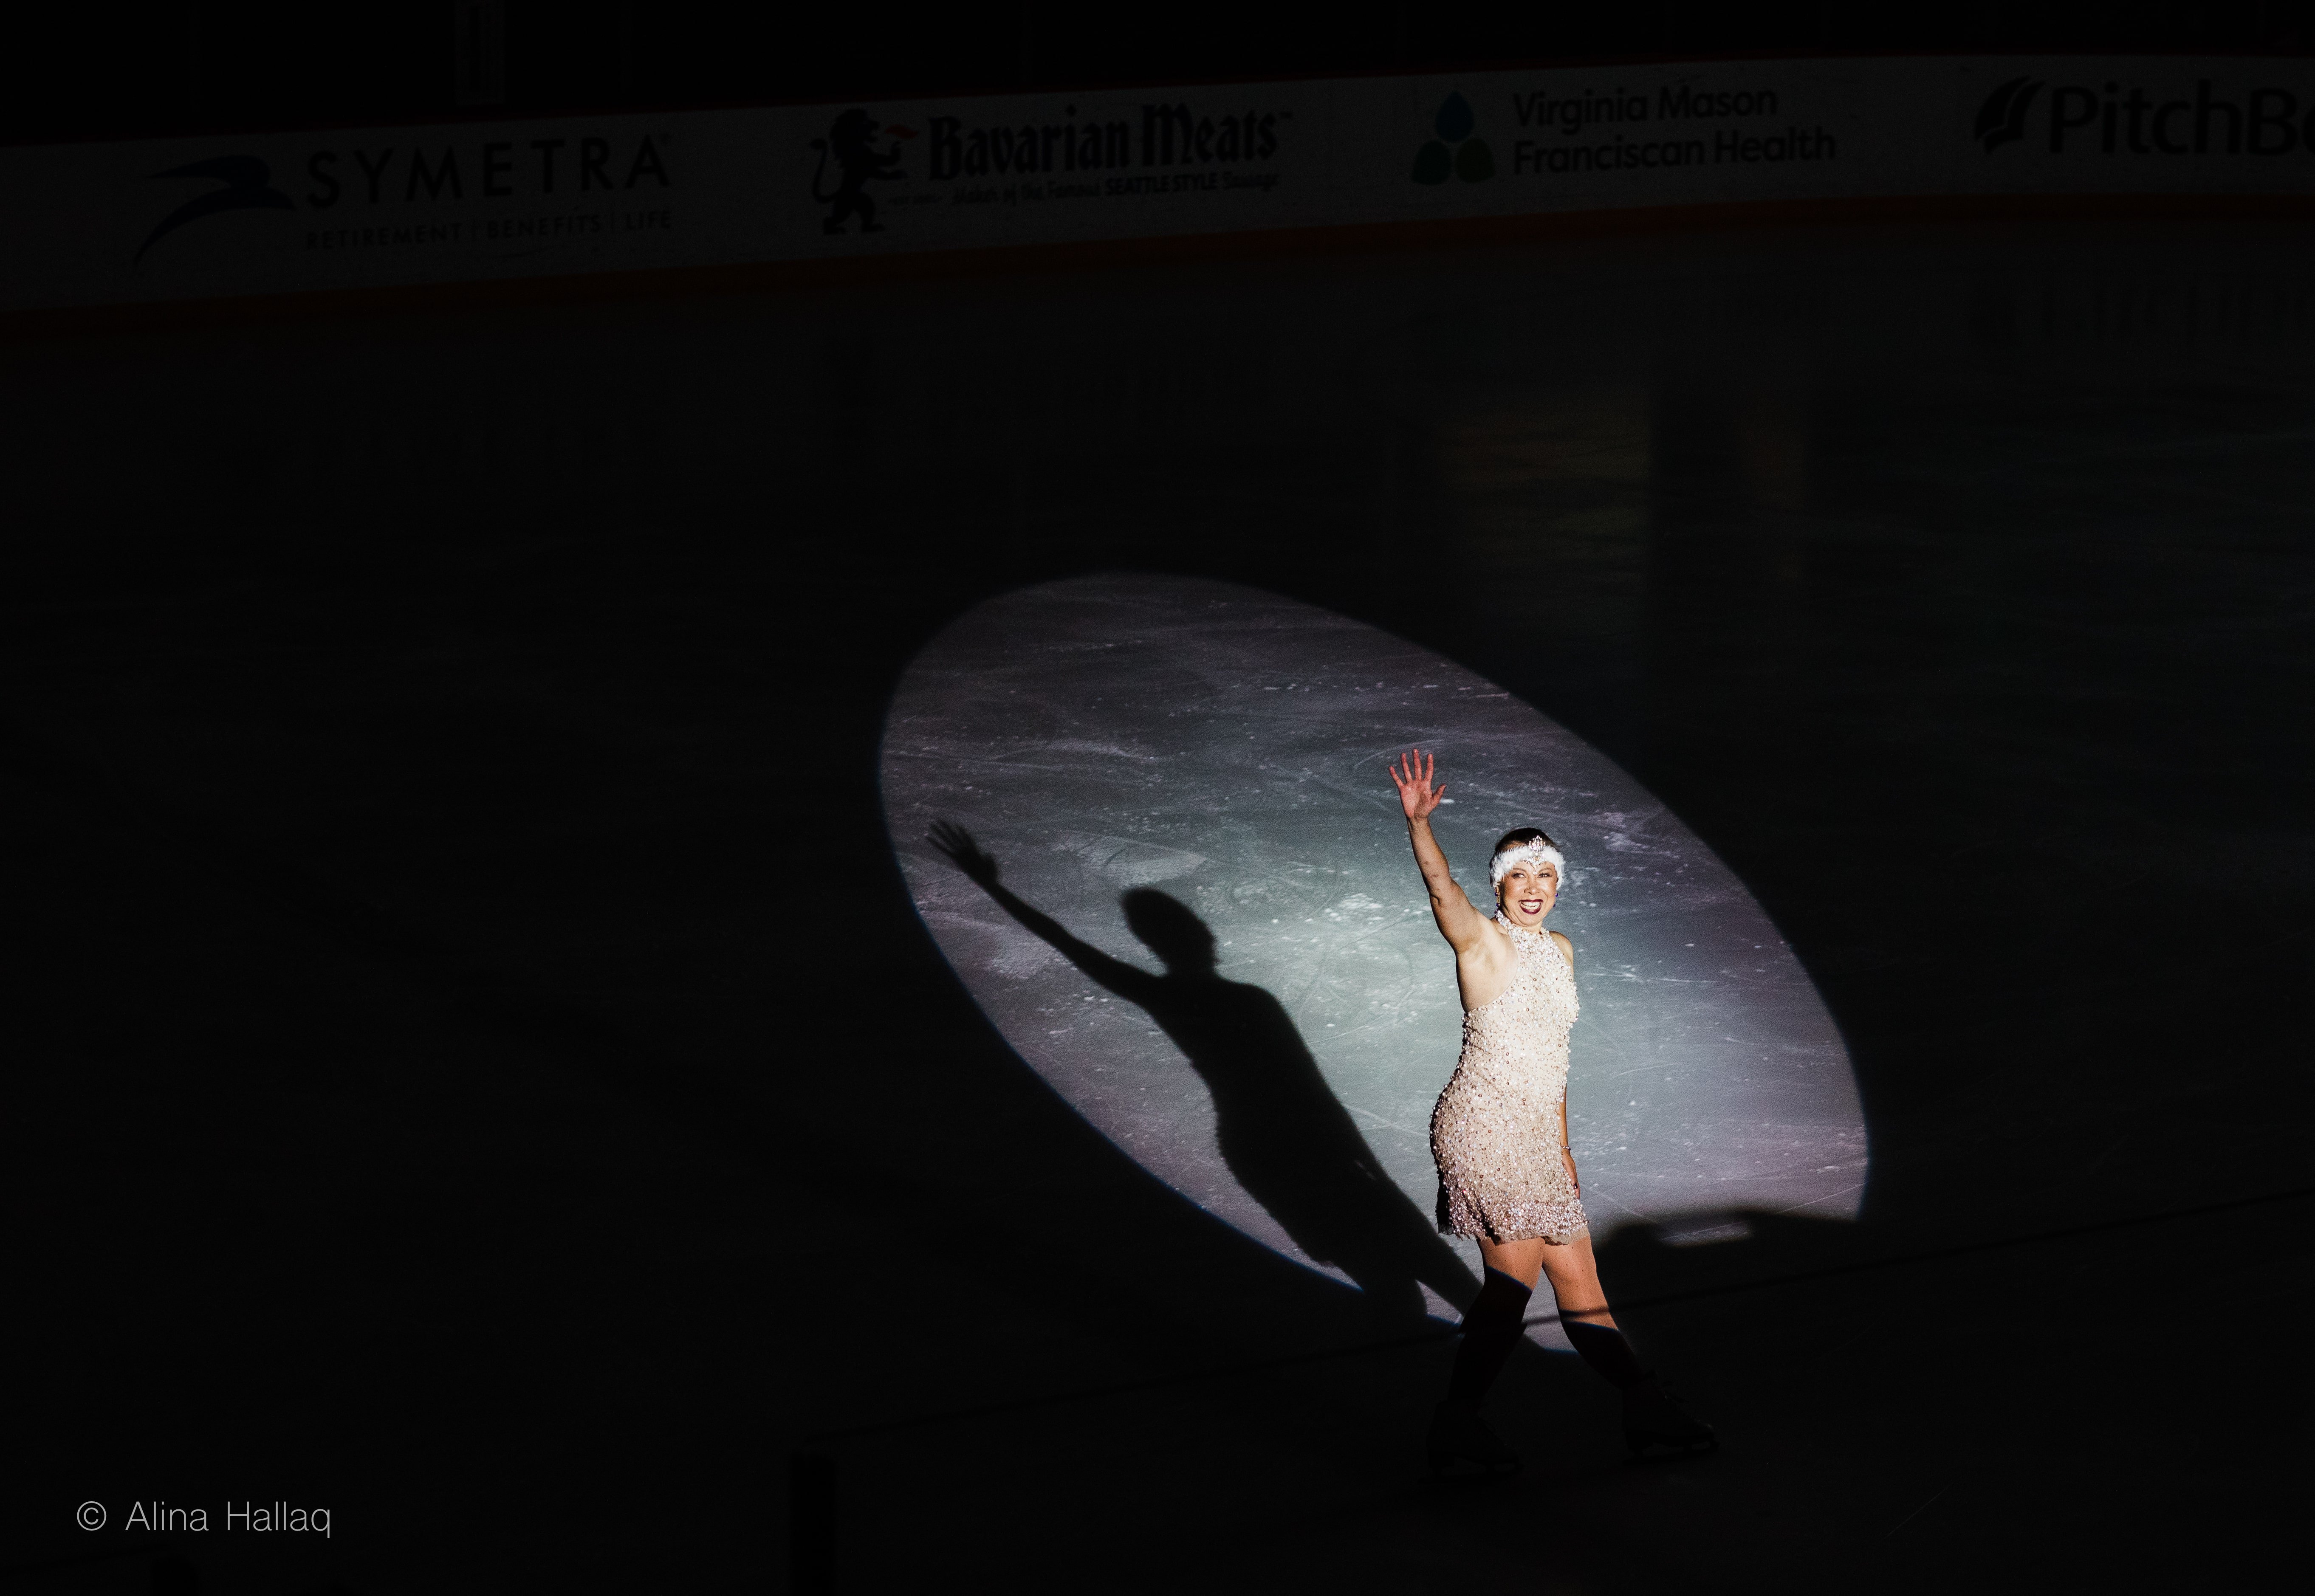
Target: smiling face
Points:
(1526, 892)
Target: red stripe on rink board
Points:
(1108, 254)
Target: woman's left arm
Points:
(1566, 1147)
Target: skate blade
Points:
(1666, 1449)
(1454, 1467)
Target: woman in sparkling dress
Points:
(1506, 1171)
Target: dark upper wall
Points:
(154, 66)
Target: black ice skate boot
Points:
(1493, 1326)
(1459, 1437)
(1654, 1419)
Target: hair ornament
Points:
(1527, 853)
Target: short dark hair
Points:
(1523, 837)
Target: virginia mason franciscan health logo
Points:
(1567, 127)
(1455, 152)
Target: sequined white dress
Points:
(1496, 1131)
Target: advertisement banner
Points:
(189, 218)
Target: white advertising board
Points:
(171, 219)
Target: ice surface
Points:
(1226, 746)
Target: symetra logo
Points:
(2001, 119)
(248, 186)
(1454, 153)
(574, 187)
(2116, 118)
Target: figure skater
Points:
(1506, 1172)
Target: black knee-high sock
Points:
(1605, 1348)
(1490, 1329)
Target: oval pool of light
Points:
(1225, 746)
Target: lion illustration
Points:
(851, 140)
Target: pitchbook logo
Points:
(2001, 119)
(2128, 118)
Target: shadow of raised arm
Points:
(1285, 1136)
(1127, 980)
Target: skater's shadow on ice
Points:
(1282, 1132)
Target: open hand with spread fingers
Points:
(963, 852)
(1411, 776)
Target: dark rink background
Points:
(476, 1065)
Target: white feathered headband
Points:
(1536, 851)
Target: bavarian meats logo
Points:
(852, 145)
(2114, 118)
(1178, 135)
(1061, 153)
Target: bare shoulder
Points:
(1483, 966)
(1567, 948)
(1490, 943)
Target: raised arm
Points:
(1127, 980)
(1461, 925)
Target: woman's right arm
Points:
(1461, 925)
